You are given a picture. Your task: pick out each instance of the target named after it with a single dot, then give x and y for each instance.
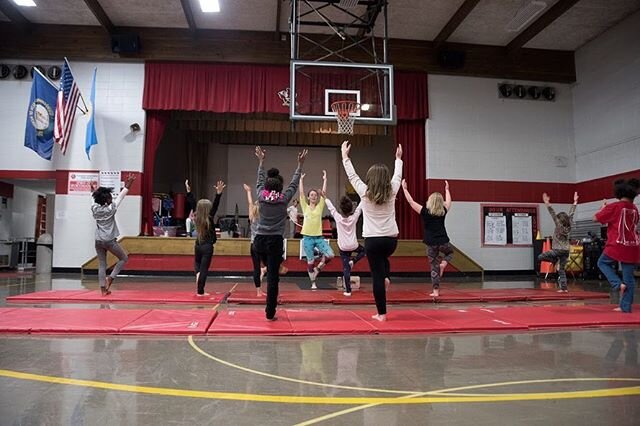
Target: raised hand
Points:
(260, 153)
(130, 179)
(345, 148)
(545, 198)
(324, 175)
(399, 152)
(404, 185)
(302, 155)
(220, 186)
(446, 185)
(575, 197)
(187, 185)
(302, 176)
(246, 187)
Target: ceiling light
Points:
(525, 15)
(209, 6)
(25, 3)
(365, 107)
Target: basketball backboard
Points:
(316, 85)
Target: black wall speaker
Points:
(451, 59)
(125, 43)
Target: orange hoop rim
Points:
(344, 109)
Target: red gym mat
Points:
(476, 319)
(306, 322)
(538, 317)
(67, 321)
(245, 297)
(173, 322)
(105, 321)
(394, 296)
(119, 296)
(250, 322)
(306, 296)
(403, 321)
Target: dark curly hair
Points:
(102, 195)
(274, 181)
(346, 206)
(626, 189)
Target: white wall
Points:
(606, 111)
(119, 88)
(474, 135)
(23, 215)
(6, 209)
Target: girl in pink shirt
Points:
(623, 241)
(346, 222)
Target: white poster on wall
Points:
(79, 183)
(495, 230)
(521, 229)
(111, 179)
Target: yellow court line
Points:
(294, 399)
(290, 379)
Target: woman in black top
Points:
(435, 234)
(205, 225)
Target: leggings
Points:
(378, 250)
(270, 247)
(102, 247)
(433, 253)
(560, 256)
(204, 254)
(346, 268)
(257, 261)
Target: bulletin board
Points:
(508, 225)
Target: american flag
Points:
(68, 96)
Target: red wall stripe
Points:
(27, 174)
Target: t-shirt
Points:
(623, 241)
(105, 216)
(346, 226)
(312, 225)
(435, 233)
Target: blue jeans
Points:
(607, 266)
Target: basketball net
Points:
(345, 115)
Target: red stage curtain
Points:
(412, 101)
(214, 87)
(411, 134)
(154, 130)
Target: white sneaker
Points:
(313, 286)
(346, 294)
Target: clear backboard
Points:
(315, 86)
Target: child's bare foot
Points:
(617, 309)
(443, 265)
(109, 281)
(202, 295)
(259, 292)
(378, 317)
(387, 284)
(563, 291)
(104, 291)
(263, 272)
(283, 270)
(435, 293)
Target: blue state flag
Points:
(91, 138)
(38, 134)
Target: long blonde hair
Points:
(203, 224)
(254, 211)
(378, 182)
(435, 204)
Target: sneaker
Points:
(314, 286)
(346, 293)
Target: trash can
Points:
(44, 254)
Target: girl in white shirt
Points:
(346, 222)
(380, 230)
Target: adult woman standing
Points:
(380, 230)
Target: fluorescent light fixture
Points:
(210, 6)
(25, 3)
(525, 15)
(365, 107)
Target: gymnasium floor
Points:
(588, 376)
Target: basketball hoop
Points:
(345, 115)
